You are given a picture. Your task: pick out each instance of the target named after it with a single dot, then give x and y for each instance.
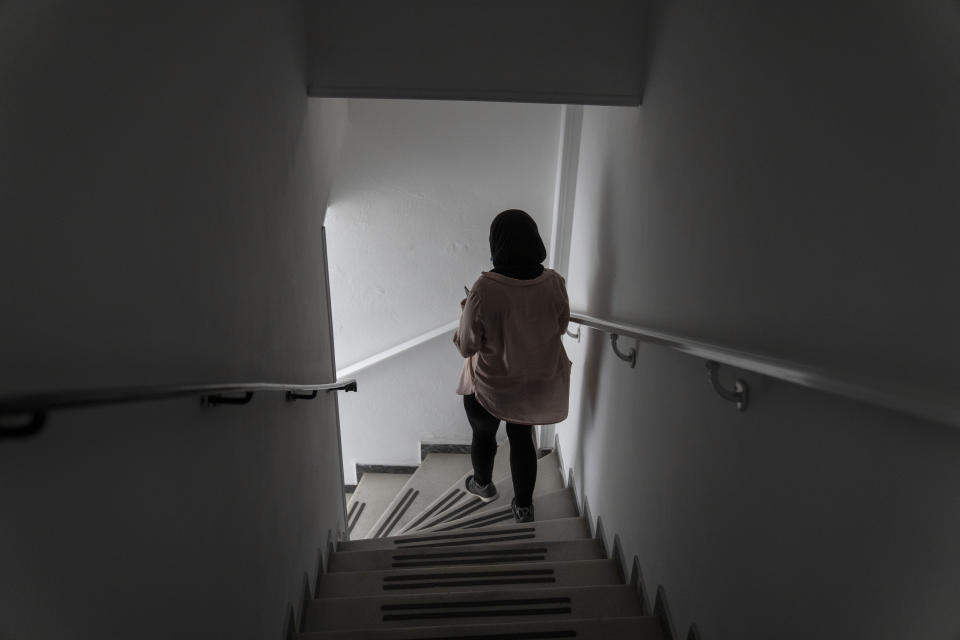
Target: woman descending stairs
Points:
(464, 570)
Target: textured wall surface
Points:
(163, 180)
(407, 228)
(788, 186)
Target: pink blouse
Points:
(510, 333)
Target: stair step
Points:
(526, 575)
(550, 506)
(635, 628)
(372, 495)
(562, 529)
(437, 609)
(456, 493)
(469, 555)
(434, 476)
(549, 479)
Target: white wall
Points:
(407, 228)
(788, 186)
(402, 402)
(162, 184)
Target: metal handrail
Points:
(940, 405)
(34, 407)
(397, 349)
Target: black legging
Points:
(523, 453)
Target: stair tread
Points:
(434, 476)
(549, 506)
(559, 529)
(549, 479)
(372, 495)
(526, 575)
(635, 627)
(468, 555)
(455, 494)
(449, 609)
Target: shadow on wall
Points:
(599, 303)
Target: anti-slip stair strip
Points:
(460, 512)
(469, 574)
(562, 528)
(477, 609)
(534, 550)
(356, 510)
(398, 511)
(523, 635)
(469, 579)
(451, 497)
(434, 478)
(474, 604)
(490, 540)
(500, 515)
(483, 560)
(470, 554)
(474, 536)
(452, 615)
(550, 481)
(497, 582)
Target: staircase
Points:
(429, 561)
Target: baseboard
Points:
(638, 584)
(305, 598)
(321, 569)
(600, 534)
(383, 468)
(556, 447)
(295, 620)
(290, 628)
(661, 611)
(442, 448)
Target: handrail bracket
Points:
(629, 356)
(296, 395)
(24, 415)
(33, 426)
(741, 393)
(347, 385)
(219, 398)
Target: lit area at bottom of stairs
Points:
(476, 575)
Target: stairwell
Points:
(437, 563)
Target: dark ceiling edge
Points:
(491, 95)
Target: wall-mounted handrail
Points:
(32, 408)
(398, 349)
(940, 405)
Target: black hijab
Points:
(515, 245)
